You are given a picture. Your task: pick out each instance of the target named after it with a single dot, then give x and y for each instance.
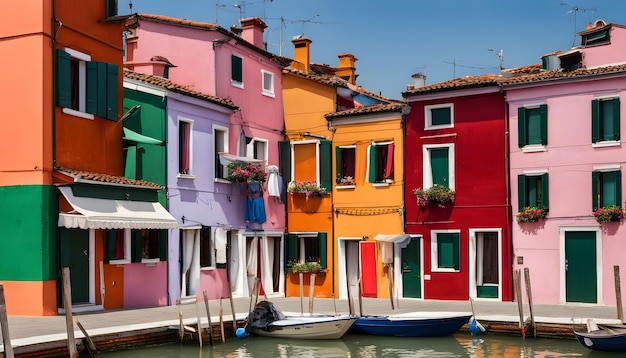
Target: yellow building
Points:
(310, 91)
(368, 204)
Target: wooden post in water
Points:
(300, 274)
(222, 321)
(311, 292)
(67, 304)
(208, 314)
(618, 294)
(518, 295)
(390, 283)
(4, 325)
(91, 347)
(530, 301)
(199, 324)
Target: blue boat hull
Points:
(428, 327)
(601, 341)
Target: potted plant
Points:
(531, 214)
(437, 194)
(306, 267)
(240, 172)
(609, 213)
(309, 188)
(347, 180)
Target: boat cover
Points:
(264, 314)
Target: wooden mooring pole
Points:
(208, 314)
(4, 325)
(530, 301)
(518, 296)
(618, 294)
(67, 305)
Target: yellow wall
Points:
(305, 103)
(368, 210)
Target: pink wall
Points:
(145, 284)
(215, 283)
(569, 159)
(606, 54)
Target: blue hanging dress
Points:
(255, 206)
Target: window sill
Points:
(268, 94)
(76, 113)
(381, 184)
(444, 270)
(185, 176)
(223, 181)
(236, 84)
(208, 268)
(118, 262)
(150, 261)
(341, 187)
(441, 126)
(534, 148)
(606, 143)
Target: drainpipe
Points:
(54, 82)
(507, 176)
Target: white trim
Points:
(472, 261)
(367, 167)
(398, 266)
(317, 161)
(141, 87)
(250, 148)
(73, 112)
(188, 175)
(531, 148)
(267, 92)
(428, 116)
(599, 275)
(224, 149)
(606, 143)
(77, 55)
(607, 168)
(434, 266)
(537, 172)
(427, 166)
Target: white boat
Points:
(268, 321)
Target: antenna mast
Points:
(575, 9)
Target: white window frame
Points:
(268, 85)
(250, 148)
(339, 185)
(434, 261)
(427, 166)
(367, 168)
(190, 122)
(317, 160)
(472, 260)
(224, 149)
(232, 81)
(82, 59)
(428, 116)
(127, 249)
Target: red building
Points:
(457, 192)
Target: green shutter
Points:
(338, 165)
(618, 188)
(441, 116)
(616, 118)
(64, 247)
(522, 135)
(521, 192)
(291, 249)
(111, 245)
(595, 121)
(448, 251)
(93, 78)
(236, 71)
(322, 242)
(130, 167)
(284, 164)
(63, 79)
(440, 166)
(545, 195)
(136, 245)
(163, 245)
(112, 85)
(543, 110)
(595, 181)
(326, 166)
(373, 163)
(456, 254)
(611, 188)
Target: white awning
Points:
(386, 242)
(400, 239)
(95, 213)
(226, 159)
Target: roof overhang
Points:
(95, 213)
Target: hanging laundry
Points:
(255, 206)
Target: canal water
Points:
(364, 346)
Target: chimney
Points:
(301, 53)
(252, 31)
(347, 69)
(419, 80)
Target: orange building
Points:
(310, 91)
(62, 142)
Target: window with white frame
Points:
(445, 251)
(438, 165)
(307, 247)
(134, 245)
(268, 83)
(439, 116)
(84, 87)
(380, 162)
(606, 186)
(257, 149)
(345, 165)
(532, 125)
(184, 147)
(236, 78)
(605, 119)
(220, 145)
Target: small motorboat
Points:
(412, 324)
(269, 321)
(608, 338)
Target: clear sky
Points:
(394, 39)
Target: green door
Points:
(74, 253)
(411, 275)
(580, 267)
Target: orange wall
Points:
(305, 103)
(28, 298)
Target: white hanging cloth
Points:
(220, 246)
(274, 181)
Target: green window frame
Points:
(99, 84)
(532, 191)
(606, 188)
(605, 120)
(236, 69)
(532, 125)
(296, 250)
(596, 38)
(447, 246)
(326, 166)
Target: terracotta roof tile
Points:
(558, 74)
(106, 178)
(167, 84)
(374, 108)
(457, 83)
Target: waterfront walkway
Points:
(29, 334)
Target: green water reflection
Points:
(363, 346)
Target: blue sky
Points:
(394, 39)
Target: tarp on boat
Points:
(264, 314)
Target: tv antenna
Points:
(574, 10)
(500, 54)
(455, 63)
(303, 22)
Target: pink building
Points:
(566, 158)
(232, 65)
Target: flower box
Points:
(305, 187)
(531, 214)
(306, 267)
(437, 194)
(240, 172)
(609, 213)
